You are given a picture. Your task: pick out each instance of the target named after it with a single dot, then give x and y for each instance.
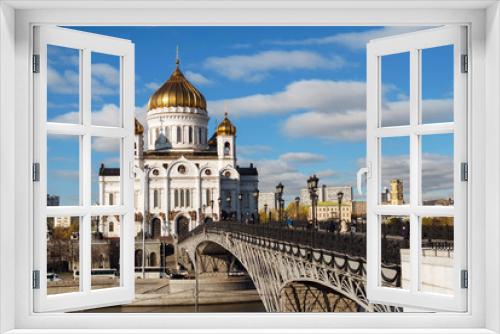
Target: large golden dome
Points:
(226, 127)
(177, 91)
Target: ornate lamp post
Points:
(297, 202)
(212, 209)
(240, 199)
(145, 217)
(312, 185)
(256, 196)
(228, 201)
(279, 199)
(265, 212)
(340, 196)
(219, 200)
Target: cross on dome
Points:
(177, 60)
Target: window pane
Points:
(436, 261)
(106, 184)
(105, 251)
(395, 91)
(437, 84)
(63, 251)
(395, 171)
(395, 251)
(63, 84)
(106, 106)
(63, 170)
(437, 169)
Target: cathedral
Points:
(190, 178)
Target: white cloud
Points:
(105, 80)
(152, 85)
(256, 67)
(351, 40)
(437, 174)
(66, 174)
(64, 82)
(302, 157)
(299, 95)
(286, 169)
(241, 46)
(244, 150)
(349, 125)
(326, 109)
(198, 78)
(104, 144)
(273, 171)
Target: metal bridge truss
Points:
(273, 264)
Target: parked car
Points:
(53, 277)
(177, 274)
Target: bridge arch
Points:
(269, 280)
(350, 303)
(192, 251)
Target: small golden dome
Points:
(139, 128)
(226, 127)
(177, 91)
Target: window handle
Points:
(362, 171)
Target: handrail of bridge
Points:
(351, 244)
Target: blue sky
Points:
(296, 95)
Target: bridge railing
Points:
(351, 243)
(346, 251)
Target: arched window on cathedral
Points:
(179, 134)
(181, 195)
(200, 137)
(176, 198)
(156, 199)
(190, 134)
(111, 227)
(188, 198)
(227, 148)
(110, 199)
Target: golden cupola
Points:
(177, 91)
(226, 128)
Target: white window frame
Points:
(412, 44)
(16, 19)
(85, 44)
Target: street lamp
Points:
(212, 209)
(219, 200)
(240, 199)
(340, 196)
(145, 217)
(279, 199)
(312, 185)
(297, 202)
(256, 196)
(228, 201)
(265, 213)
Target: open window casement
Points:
(70, 140)
(409, 128)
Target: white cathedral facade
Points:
(191, 178)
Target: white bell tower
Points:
(226, 142)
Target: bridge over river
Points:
(292, 268)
